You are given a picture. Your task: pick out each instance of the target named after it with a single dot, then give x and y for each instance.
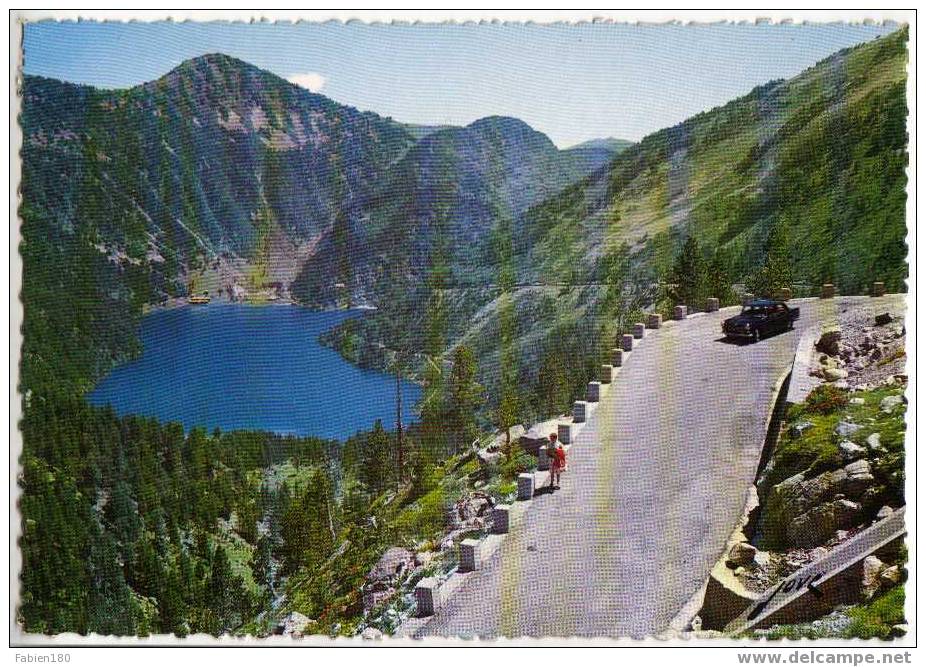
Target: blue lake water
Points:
(236, 366)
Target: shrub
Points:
(878, 617)
(519, 461)
(826, 399)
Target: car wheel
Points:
(756, 336)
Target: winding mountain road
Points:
(656, 483)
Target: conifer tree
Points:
(688, 275)
(464, 397)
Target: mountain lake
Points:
(236, 367)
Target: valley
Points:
(495, 273)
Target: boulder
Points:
(371, 634)
(888, 403)
(850, 451)
(395, 562)
(858, 477)
(376, 594)
(762, 558)
(487, 457)
(797, 494)
(539, 435)
(873, 442)
(876, 353)
(828, 343)
(474, 505)
(883, 319)
(846, 512)
(819, 524)
(742, 553)
(884, 512)
(834, 374)
(871, 572)
(845, 429)
(797, 430)
(293, 624)
(424, 558)
(856, 400)
(890, 576)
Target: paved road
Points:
(656, 484)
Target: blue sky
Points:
(572, 82)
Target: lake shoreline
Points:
(240, 367)
(175, 302)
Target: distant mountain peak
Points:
(506, 124)
(612, 144)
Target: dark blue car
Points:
(761, 318)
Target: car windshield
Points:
(760, 311)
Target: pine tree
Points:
(376, 462)
(688, 275)
(226, 596)
(717, 282)
(464, 396)
(307, 526)
(776, 272)
(510, 402)
(111, 607)
(552, 381)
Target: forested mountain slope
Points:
(822, 154)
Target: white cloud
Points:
(309, 80)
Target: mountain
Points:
(451, 188)
(822, 154)
(221, 177)
(225, 174)
(821, 157)
(599, 152)
(610, 144)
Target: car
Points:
(760, 318)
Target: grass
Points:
(817, 449)
(871, 620)
(876, 618)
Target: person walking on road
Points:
(557, 455)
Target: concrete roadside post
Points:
(617, 357)
(470, 555)
(593, 393)
(877, 289)
(627, 342)
(501, 519)
(828, 291)
(607, 374)
(654, 321)
(579, 412)
(564, 433)
(525, 486)
(543, 458)
(681, 312)
(639, 330)
(427, 597)
(713, 304)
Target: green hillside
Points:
(823, 154)
(820, 158)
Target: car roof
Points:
(762, 302)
